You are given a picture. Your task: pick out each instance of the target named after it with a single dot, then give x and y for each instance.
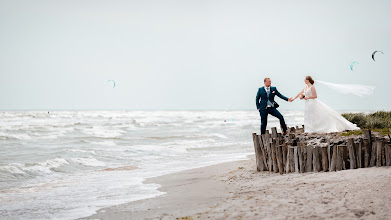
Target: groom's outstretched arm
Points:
(257, 99)
(281, 96)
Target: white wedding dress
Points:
(319, 118)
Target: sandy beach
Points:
(235, 190)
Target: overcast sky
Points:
(182, 54)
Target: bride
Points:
(318, 117)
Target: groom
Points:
(268, 105)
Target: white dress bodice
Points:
(308, 91)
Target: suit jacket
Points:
(262, 94)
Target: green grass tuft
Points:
(376, 120)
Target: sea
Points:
(69, 164)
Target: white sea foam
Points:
(88, 161)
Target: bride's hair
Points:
(309, 78)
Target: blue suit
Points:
(264, 110)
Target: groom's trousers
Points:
(273, 111)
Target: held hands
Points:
(291, 99)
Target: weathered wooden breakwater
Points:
(302, 152)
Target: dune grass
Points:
(379, 121)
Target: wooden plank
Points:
(309, 159)
(316, 159)
(325, 162)
(352, 156)
(296, 159)
(367, 153)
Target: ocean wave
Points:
(89, 161)
(103, 143)
(82, 151)
(34, 168)
(102, 132)
(15, 136)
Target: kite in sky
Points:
(373, 54)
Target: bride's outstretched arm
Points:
(298, 95)
(314, 95)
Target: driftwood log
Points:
(300, 152)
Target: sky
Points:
(189, 55)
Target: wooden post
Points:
(358, 146)
(263, 152)
(373, 154)
(309, 159)
(345, 157)
(269, 157)
(383, 151)
(258, 156)
(304, 150)
(367, 153)
(324, 159)
(300, 150)
(334, 158)
(279, 158)
(296, 159)
(284, 155)
(368, 135)
(291, 158)
(379, 145)
(316, 160)
(329, 154)
(274, 132)
(287, 165)
(352, 156)
(388, 154)
(293, 130)
(341, 157)
(274, 156)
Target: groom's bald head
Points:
(267, 82)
